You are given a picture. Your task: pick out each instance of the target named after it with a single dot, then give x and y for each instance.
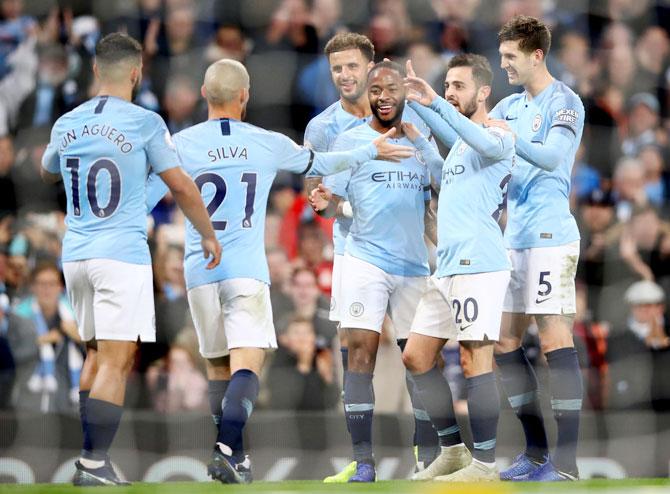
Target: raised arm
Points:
(488, 144)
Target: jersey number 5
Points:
(220, 194)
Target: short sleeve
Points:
(51, 158)
(161, 150)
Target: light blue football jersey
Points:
(473, 183)
(234, 164)
(538, 205)
(388, 201)
(320, 135)
(104, 149)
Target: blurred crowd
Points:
(614, 53)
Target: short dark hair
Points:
(350, 41)
(531, 33)
(387, 64)
(45, 266)
(481, 68)
(116, 47)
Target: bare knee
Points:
(555, 332)
(412, 362)
(362, 350)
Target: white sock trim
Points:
(92, 464)
(487, 465)
(226, 450)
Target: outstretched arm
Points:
(486, 143)
(420, 96)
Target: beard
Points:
(470, 108)
(399, 109)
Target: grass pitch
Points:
(628, 486)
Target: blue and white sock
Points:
(435, 395)
(520, 383)
(359, 404)
(484, 410)
(238, 403)
(566, 401)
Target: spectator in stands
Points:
(177, 383)
(312, 254)
(596, 218)
(54, 383)
(229, 42)
(643, 124)
(631, 349)
(301, 375)
(629, 191)
(311, 305)
(180, 103)
(655, 185)
(54, 93)
(280, 279)
(14, 29)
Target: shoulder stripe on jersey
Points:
(311, 160)
(101, 104)
(565, 126)
(225, 126)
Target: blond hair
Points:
(223, 81)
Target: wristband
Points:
(347, 212)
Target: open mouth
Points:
(348, 86)
(385, 110)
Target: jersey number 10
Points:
(114, 191)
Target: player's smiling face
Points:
(460, 89)
(386, 93)
(518, 64)
(349, 69)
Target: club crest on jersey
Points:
(462, 148)
(419, 157)
(356, 309)
(537, 122)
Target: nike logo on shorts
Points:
(541, 300)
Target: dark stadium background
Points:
(614, 53)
